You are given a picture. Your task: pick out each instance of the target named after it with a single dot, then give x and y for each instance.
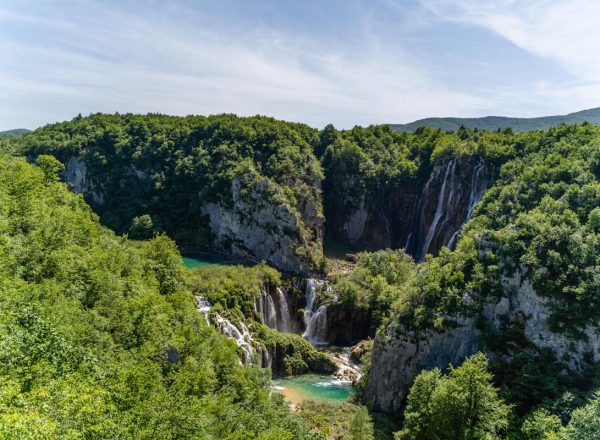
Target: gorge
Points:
(511, 222)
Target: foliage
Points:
(460, 405)
(294, 354)
(337, 420)
(100, 337)
(541, 425)
(169, 167)
(585, 422)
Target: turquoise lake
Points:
(201, 260)
(314, 387)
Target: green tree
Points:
(462, 405)
(51, 167)
(141, 228)
(585, 422)
(541, 425)
(361, 426)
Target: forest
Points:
(462, 266)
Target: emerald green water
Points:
(313, 387)
(201, 260)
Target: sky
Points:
(346, 62)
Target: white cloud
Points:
(563, 30)
(107, 60)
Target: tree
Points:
(463, 405)
(51, 167)
(361, 427)
(142, 228)
(541, 425)
(585, 422)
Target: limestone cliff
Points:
(258, 223)
(399, 353)
(254, 220)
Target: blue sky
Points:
(347, 62)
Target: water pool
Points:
(314, 387)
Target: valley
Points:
(447, 254)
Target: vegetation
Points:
(338, 420)
(167, 168)
(100, 336)
(461, 405)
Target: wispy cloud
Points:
(60, 58)
(565, 31)
(107, 59)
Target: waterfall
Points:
(203, 306)
(442, 201)
(283, 322)
(266, 307)
(275, 313)
(315, 318)
(241, 335)
(478, 187)
(265, 356)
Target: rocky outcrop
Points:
(259, 224)
(398, 354)
(77, 175)
(421, 216)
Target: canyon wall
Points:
(420, 216)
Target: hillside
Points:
(15, 132)
(476, 241)
(494, 123)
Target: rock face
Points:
(398, 355)
(259, 224)
(419, 217)
(254, 221)
(76, 174)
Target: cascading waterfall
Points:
(444, 198)
(478, 188)
(266, 307)
(275, 312)
(203, 306)
(241, 335)
(315, 318)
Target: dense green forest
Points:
(103, 340)
(101, 337)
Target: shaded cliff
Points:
(421, 215)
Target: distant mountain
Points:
(15, 132)
(501, 122)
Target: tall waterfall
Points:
(315, 318)
(444, 198)
(283, 317)
(266, 307)
(478, 188)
